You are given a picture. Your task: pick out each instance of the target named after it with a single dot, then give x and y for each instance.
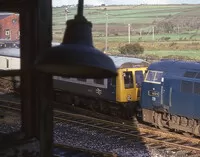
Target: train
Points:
(118, 96)
(9, 44)
(170, 96)
(165, 93)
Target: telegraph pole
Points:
(66, 14)
(106, 42)
(178, 30)
(140, 32)
(153, 33)
(129, 33)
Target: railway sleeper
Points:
(182, 152)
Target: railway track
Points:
(63, 150)
(152, 137)
(158, 141)
(59, 150)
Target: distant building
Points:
(9, 26)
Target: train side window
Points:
(113, 81)
(128, 79)
(81, 79)
(139, 78)
(99, 81)
(150, 75)
(198, 76)
(186, 86)
(7, 63)
(197, 88)
(190, 74)
(65, 77)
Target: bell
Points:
(76, 55)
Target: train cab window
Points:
(81, 79)
(128, 79)
(150, 75)
(154, 76)
(197, 88)
(139, 78)
(158, 76)
(190, 74)
(186, 86)
(99, 81)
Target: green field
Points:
(190, 53)
(149, 23)
(173, 37)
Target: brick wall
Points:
(9, 27)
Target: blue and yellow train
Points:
(165, 93)
(118, 96)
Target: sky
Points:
(123, 2)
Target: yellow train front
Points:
(128, 88)
(117, 96)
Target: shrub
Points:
(164, 39)
(133, 49)
(172, 44)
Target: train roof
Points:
(128, 62)
(10, 52)
(120, 62)
(14, 52)
(173, 65)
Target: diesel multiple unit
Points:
(118, 96)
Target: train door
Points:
(166, 92)
(129, 85)
(125, 86)
(139, 78)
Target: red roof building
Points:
(9, 26)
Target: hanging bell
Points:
(76, 55)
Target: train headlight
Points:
(129, 97)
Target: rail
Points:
(152, 138)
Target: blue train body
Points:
(171, 94)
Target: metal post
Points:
(106, 42)
(153, 33)
(129, 33)
(80, 8)
(66, 18)
(178, 31)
